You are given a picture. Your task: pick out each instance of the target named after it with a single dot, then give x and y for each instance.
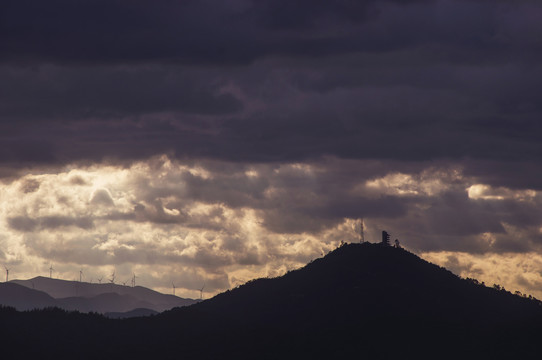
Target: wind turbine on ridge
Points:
(51, 271)
(172, 284)
(201, 292)
(80, 275)
(7, 273)
(112, 280)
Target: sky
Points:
(207, 143)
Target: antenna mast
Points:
(361, 231)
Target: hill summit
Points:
(371, 301)
(373, 278)
(366, 301)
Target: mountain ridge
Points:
(86, 297)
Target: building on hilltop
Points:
(385, 238)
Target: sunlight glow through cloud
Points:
(224, 223)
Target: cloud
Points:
(78, 180)
(26, 224)
(189, 32)
(101, 197)
(30, 185)
(231, 221)
(243, 31)
(513, 271)
(395, 81)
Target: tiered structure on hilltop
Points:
(385, 238)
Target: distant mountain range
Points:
(363, 301)
(41, 292)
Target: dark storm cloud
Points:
(240, 31)
(216, 32)
(455, 222)
(106, 93)
(519, 174)
(189, 31)
(401, 80)
(455, 214)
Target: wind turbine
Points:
(51, 271)
(7, 273)
(133, 280)
(201, 292)
(80, 275)
(112, 280)
(100, 280)
(172, 284)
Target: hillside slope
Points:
(23, 298)
(370, 278)
(361, 301)
(367, 299)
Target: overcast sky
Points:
(211, 142)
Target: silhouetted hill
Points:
(131, 314)
(361, 301)
(86, 297)
(108, 302)
(369, 277)
(23, 298)
(366, 300)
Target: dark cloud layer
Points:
(270, 80)
(211, 32)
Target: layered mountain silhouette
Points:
(139, 312)
(23, 298)
(363, 301)
(41, 292)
